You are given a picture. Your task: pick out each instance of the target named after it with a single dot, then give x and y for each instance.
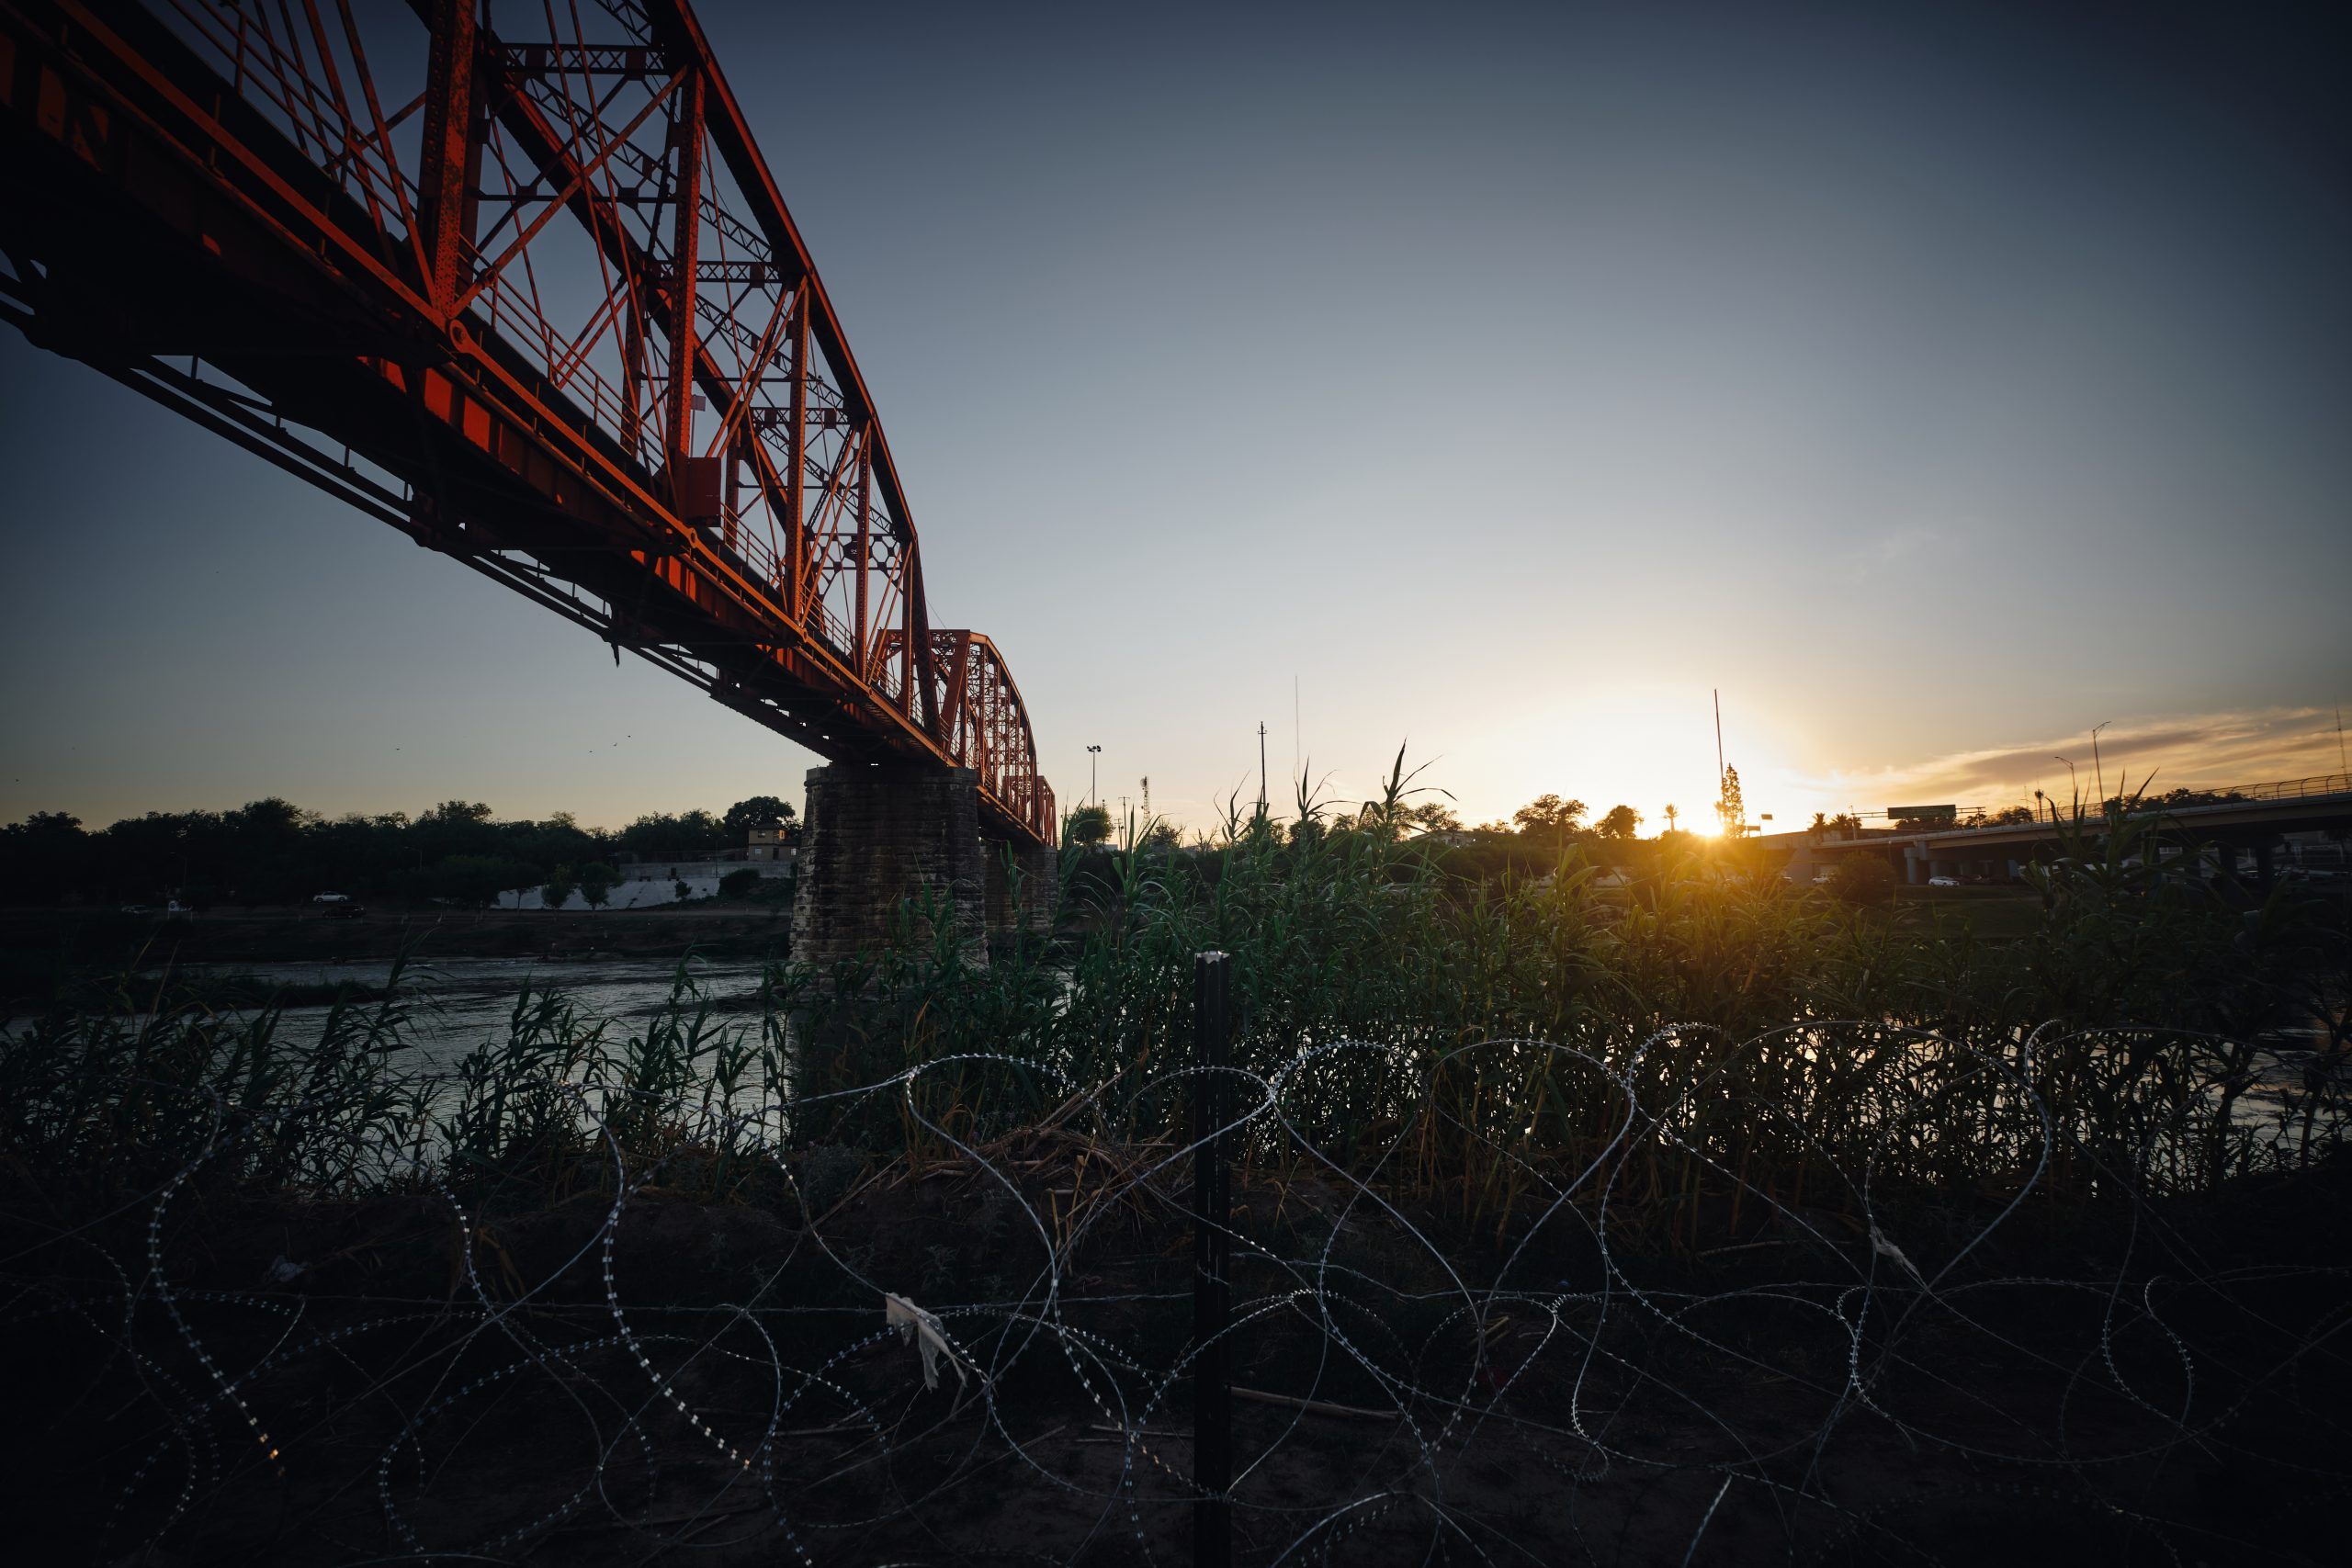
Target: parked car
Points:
(343, 909)
(1943, 882)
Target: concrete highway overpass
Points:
(2268, 821)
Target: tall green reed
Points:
(1692, 1024)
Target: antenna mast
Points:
(1262, 767)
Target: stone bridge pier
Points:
(877, 836)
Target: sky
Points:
(1934, 382)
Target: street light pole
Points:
(1093, 755)
(2076, 788)
(2099, 773)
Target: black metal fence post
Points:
(1212, 1302)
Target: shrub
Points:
(1862, 880)
(597, 883)
(739, 884)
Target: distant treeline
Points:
(272, 852)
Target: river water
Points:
(457, 1003)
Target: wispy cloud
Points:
(2198, 752)
(1870, 556)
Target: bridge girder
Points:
(550, 317)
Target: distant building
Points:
(769, 840)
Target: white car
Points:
(330, 898)
(1943, 882)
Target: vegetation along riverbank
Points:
(1695, 1216)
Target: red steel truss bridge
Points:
(515, 278)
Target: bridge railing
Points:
(2295, 789)
(2316, 786)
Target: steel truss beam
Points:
(550, 317)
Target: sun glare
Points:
(1640, 744)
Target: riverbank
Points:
(45, 952)
(1705, 1220)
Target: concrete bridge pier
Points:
(878, 836)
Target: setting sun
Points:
(1647, 747)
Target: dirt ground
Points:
(242, 1379)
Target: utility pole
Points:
(2097, 772)
(1093, 755)
(1262, 767)
(1719, 739)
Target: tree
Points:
(682, 890)
(1730, 810)
(43, 858)
(1620, 823)
(1162, 835)
(596, 881)
(1672, 813)
(556, 891)
(1432, 817)
(1087, 825)
(1549, 816)
(475, 881)
(659, 834)
(452, 827)
(738, 883)
(756, 812)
